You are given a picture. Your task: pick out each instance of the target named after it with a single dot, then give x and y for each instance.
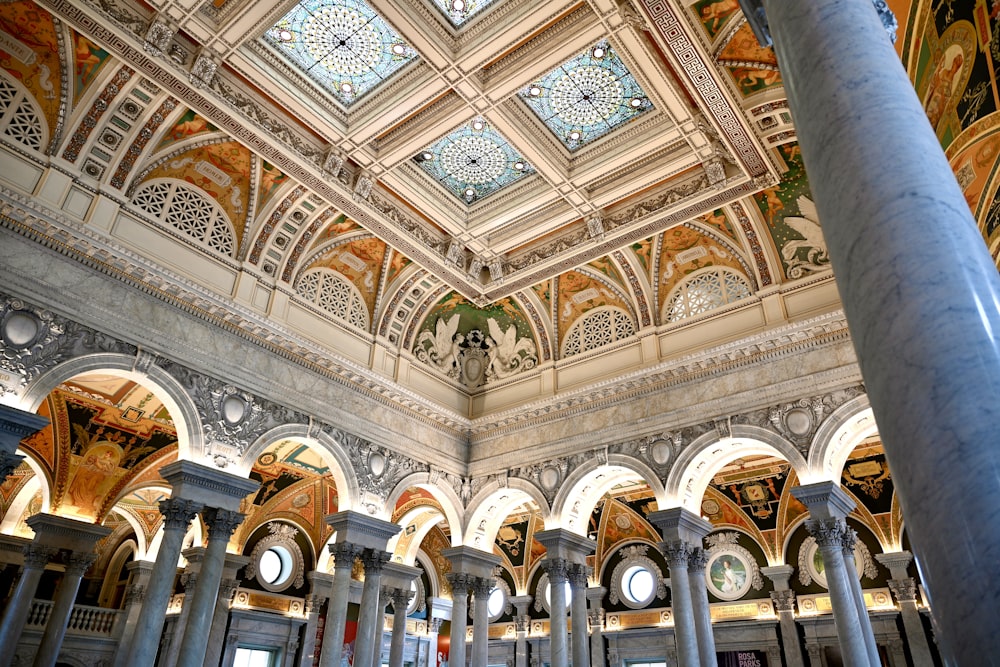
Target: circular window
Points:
(638, 585)
(275, 565)
(495, 603)
(276, 561)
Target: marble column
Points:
(135, 593)
(847, 541)
(62, 607)
(459, 617)
(699, 604)
(481, 587)
(321, 583)
(595, 596)
(400, 599)
(784, 604)
(15, 426)
(474, 564)
(36, 557)
(220, 617)
(922, 306)
(579, 575)
(521, 622)
(558, 571)
(829, 506)
(904, 588)
(344, 555)
(221, 524)
(370, 618)
(173, 635)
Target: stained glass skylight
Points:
(342, 45)
(473, 161)
(460, 11)
(586, 97)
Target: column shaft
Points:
(481, 587)
(558, 635)
(344, 554)
(220, 619)
(400, 598)
(905, 591)
(784, 603)
(62, 608)
(314, 604)
(134, 595)
(685, 632)
(459, 614)
(922, 306)
(521, 643)
(221, 523)
(16, 613)
(370, 619)
(578, 576)
(699, 605)
(177, 515)
(848, 540)
(845, 611)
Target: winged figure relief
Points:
(807, 226)
(505, 351)
(444, 345)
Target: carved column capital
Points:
(905, 590)
(460, 582)
(400, 597)
(314, 602)
(435, 624)
(9, 463)
(374, 560)
(827, 532)
(36, 557)
(189, 580)
(344, 554)
(783, 600)
(558, 570)
(134, 594)
(221, 523)
(227, 589)
(481, 587)
(847, 540)
(677, 553)
(522, 623)
(79, 562)
(578, 575)
(697, 561)
(177, 513)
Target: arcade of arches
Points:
(426, 333)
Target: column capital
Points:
(827, 532)
(79, 562)
(134, 594)
(697, 561)
(177, 513)
(905, 590)
(578, 575)
(314, 601)
(784, 600)
(221, 522)
(897, 562)
(677, 553)
(460, 582)
(374, 560)
(481, 587)
(557, 569)
(37, 556)
(522, 622)
(847, 540)
(400, 597)
(825, 500)
(344, 553)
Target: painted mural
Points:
(684, 250)
(30, 54)
(754, 69)
(715, 15)
(580, 292)
(189, 124)
(88, 61)
(360, 260)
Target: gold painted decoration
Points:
(29, 52)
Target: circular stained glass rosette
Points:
(342, 45)
(587, 97)
(473, 161)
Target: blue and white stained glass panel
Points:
(473, 161)
(460, 11)
(586, 97)
(342, 45)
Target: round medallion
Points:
(710, 506)
(798, 421)
(376, 463)
(549, 478)
(20, 328)
(267, 459)
(234, 408)
(662, 452)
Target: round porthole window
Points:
(495, 603)
(276, 561)
(638, 585)
(275, 565)
(637, 579)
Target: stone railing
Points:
(88, 621)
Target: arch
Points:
(837, 437)
(596, 328)
(433, 517)
(703, 458)
(585, 486)
(31, 488)
(425, 563)
(187, 421)
(189, 210)
(21, 117)
(450, 502)
(336, 457)
(702, 291)
(492, 505)
(113, 571)
(335, 294)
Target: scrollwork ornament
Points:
(177, 513)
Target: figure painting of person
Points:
(728, 575)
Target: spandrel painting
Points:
(727, 575)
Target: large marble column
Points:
(521, 623)
(135, 593)
(579, 575)
(474, 564)
(564, 549)
(459, 617)
(784, 604)
(683, 532)
(173, 635)
(353, 533)
(36, 557)
(904, 588)
(371, 615)
(221, 524)
(321, 584)
(77, 562)
(699, 604)
(828, 506)
(595, 596)
(398, 583)
(15, 426)
(923, 306)
(481, 587)
(847, 541)
(220, 617)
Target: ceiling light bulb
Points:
(519, 165)
(598, 51)
(346, 87)
(398, 49)
(574, 135)
(285, 35)
(636, 102)
(427, 155)
(477, 125)
(534, 91)
(470, 193)
(458, 5)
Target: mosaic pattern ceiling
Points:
(342, 45)
(586, 97)
(460, 11)
(473, 161)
